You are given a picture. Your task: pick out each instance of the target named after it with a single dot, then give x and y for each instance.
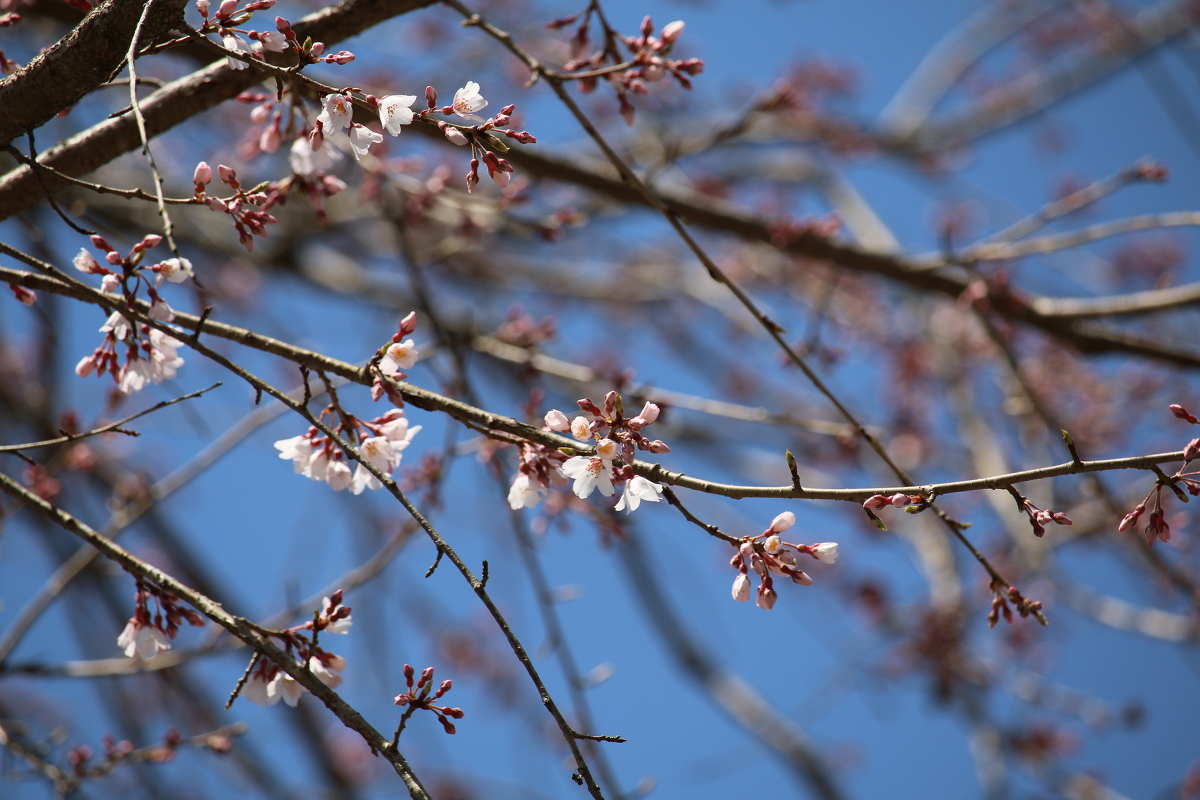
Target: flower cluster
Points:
(616, 437)
(268, 684)
(773, 555)
(391, 361)
(648, 61)
(1157, 528)
(150, 355)
(247, 209)
(538, 468)
(146, 635)
(381, 443)
(1001, 597)
(419, 696)
(1038, 518)
(912, 503)
(251, 44)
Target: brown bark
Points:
(67, 71)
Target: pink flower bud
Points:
(342, 57)
(227, 175)
(431, 96)
(1192, 450)
(316, 137)
(86, 263)
(875, 502)
(659, 446)
(746, 549)
(203, 174)
(898, 500)
(408, 324)
(1182, 413)
(226, 9)
(508, 109)
(202, 7)
(214, 203)
(783, 522)
(801, 577)
(741, 588)
(101, 243)
(647, 25)
(765, 597)
(557, 421)
(453, 135)
(283, 26)
(317, 49)
(1061, 518)
(113, 257)
(649, 413)
(671, 32)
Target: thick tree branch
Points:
(181, 100)
(69, 70)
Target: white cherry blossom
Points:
(305, 161)
(174, 270)
(637, 490)
(361, 139)
(336, 113)
(524, 493)
(399, 356)
(286, 687)
(826, 552)
(298, 449)
(234, 43)
(146, 641)
(394, 112)
(467, 101)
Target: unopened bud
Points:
(226, 9)
(671, 32)
(203, 174)
(783, 522)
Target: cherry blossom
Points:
(336, 113)
(638, 489)
(234, 43)
(557, 421)
(306, 161)
(298, 450)
(143, 639)
(524, 493)
(174, 270)
(394, 112)
(286, 687)
(361, 139)
(590, 472)
(379, 453)
(399, 356)
(467, 101)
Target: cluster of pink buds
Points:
(617, 437)
(1001, 597)
(482, 139)
(912, 503)
(391, 361)
(1038, 518)
(251, 43)
(773, 555)
(422, 695)
(268, 684)
(247, 209)
(381, 442)
(150, 355)
(1157, 528)
(648, 61)
(146, 635)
